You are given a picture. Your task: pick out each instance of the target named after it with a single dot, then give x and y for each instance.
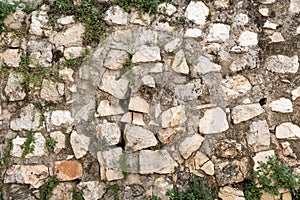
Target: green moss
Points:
(28, 146)
(46, 190)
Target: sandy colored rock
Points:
(235, 86)
(218, 33)
(190, 144)
(52, 91)
(138, 119)
(146, 54)
(259, 136)
(282, 64)
(248, 38)
(165, 136)
(205, 66)
(14, 89)
(282, 105)
(294, 6)
(11, 57)
(179, 64)
(243, 113)
(80, 144)
(287, 130)
(213, 121)
(138, 104)
(61, 117)
(263, 157)
(92, 189)
(230, 193)
(115, 15)
(108, 133)
(60, 138)
(173, 117)
(14, 21)
(106, 108)
(67, 170)
(115, 58)
(197, 12)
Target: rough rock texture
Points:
(67, 170)
(245, 112)
(173, 117)
(213, 121)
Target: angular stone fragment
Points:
(14, 89)
(173, 117)
(73, 52)
(197, 12)
(205, 66)
(259, 136)
(213, 121)
(138, 104)
(92, 189)
(34, 175)
(218, 33)
(236, 85)
(61, 117)
(108, 133)
(263, 157)
(137, 138)
(160, 187)
(148, 80)
(267, 1)
(116, 15)
(156, 162)
(11, 57)
(39, 23)
(105, 108)
(68, 170)
(243, 113)
(14, 20)
(146, 54)
(190, 144)
(287, 130)
(248, 38)
(230, 193)
(66, 74)
(208, 168)
(40, 53)
(63, 189)
(167, 8)
(80, 144)
(276, 37)
(294, 6)
(138, 119)
(193, 33)
(60, 138)
(296, 93)
(52, 91)
(241, 19)
(165, 136)
(173, 45)
(66, 20)
(114, 59)
(282, 64)
(282, 105)
(287, 150)
(179, 64)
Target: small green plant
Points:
(28, 146)
(46, 190)
(8, 148)
(123, 165)
(155, 198)
(50, 142)
(198, 190)
(127, 65)
(115, 189)
(77, 194)
(5, 9)
(144, 6)
(270, 177)
(180, 20)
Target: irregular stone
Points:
(213, 121)
(173, 117)
(116, 15)
(29, 119)
(61, 117)
(11, 57)
(190, 144)
(140, 18)
(263, 157)
(73, 52)
(193, 33)
(146, 54)
(137, 138)
(148, 80)
(138, 104)
(264, 12)
(165, 136)
(276, 37)
(298, 30)
(80, 144)
(14, 21)
(167, 8)
(14, 89)
(296, 93)
(236, 85)
(287, 196)
(66, 74)
(294, 6)
(259, 136)
(267, 196)
(270, 25)
(52, 91)
(208, 168)
(108, 133)
(60, 138)
(114, 59)
(282, 105)
(287, 150)
(156, 162)
(287, 130)
(267, 1)
(160, 187)
(68, 170)
(282, 64)
(70, 37)
(205, 66)
(127, 118)
(109, 84)
(230, 193)
(63, 189)
(243, 113)
(179, 64)
(106, 108)
(66, 20)
(197, 12)
(92, 189)
(218, 33)
(39, 23)
(239, 49)
(241, 19)
(248, 38)
(41, 53)
(34, 175)
(138, 119)
(221, 3)
(173, 45)
(189, 91)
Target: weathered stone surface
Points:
(230, 193)
(61, 117)
(66, 74)
(39, 23)
(63, 190)
(264, 12)
(106, 108)
(160, 187)
(287, 196)
(179, 64)
(148, 80)
(11, 57)
(117, 88)
(189, 91)
(218, 33)
(165, 136)
(190, 144)
(236, 85)
(146, 54)
(282, 64)
(34, 175)
(138, 119)
(248, 38)
(208, 168)
(263, 157)
(197, 12)
(14, 21)
(60, 138)
(73, 52)
(282, 105)
(213, 121)
(259, 136)
(270, 25)
(193, 33)
(140, 18)
(276, 37)
(205, 66)
(287, 130)
(241, 19)
(80, 144)
(137, 138)
(67, 170)
(294, 6)
(66, 20)
(14, 89)
(287, 150)
(298, 30)
(173, 117)
(114, 59)
(70, 37)
(28, 119)
(108, 133)
(138, 104)
(267, 1)
(156, 162)
(116, 15)
(295, 93)
(92, 189)
(167, 8)
(41, 53)
(52, 91)
(243, 113)
(173, 45)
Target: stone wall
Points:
(202, 87)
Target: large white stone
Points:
(197, 12)
(146, 54)
(190, 144)
(243, 113)
(294, 6)
(60, 138)
(193, 33)
(173, 45)
(282, 64)
(282, 105)
(61, 117)
(108, 133)
(52, 91)
(14, 89)
(218, 33)
(114, 59)
(213, 121)
(263, 157)
(39, 23)
(235, 86)
(40, 53)
(179, 64)
(205, 66)
(116, 15)
(259, 136)
(11, 57)
(173, 117)
(167, 8)
(287, 130)
(156, 162)
(248, 38)
(80, 144)
(138, 104)
(137, 138)
(106, 108)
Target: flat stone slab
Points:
(67, 170)
(243, 113)
(287, 130)
(282, 64)
(213, 121)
